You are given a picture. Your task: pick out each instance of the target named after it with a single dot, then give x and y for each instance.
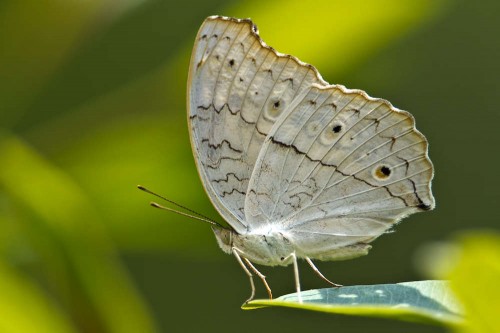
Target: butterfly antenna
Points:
(196, 216)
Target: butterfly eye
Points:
(382, 172)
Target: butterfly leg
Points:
(262, 277)
(296, 273)
(316, 270)
(250, 276)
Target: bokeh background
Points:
(92, 103)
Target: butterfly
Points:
(298, 168)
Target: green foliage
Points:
(76, 258)
(20, 296)
(469, 303)
(92, 103)
(475, 279)
(421, 301)
(324, 27)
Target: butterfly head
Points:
(224, 238)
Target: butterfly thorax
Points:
(269, 248)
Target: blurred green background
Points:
(92, 103)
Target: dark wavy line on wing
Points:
(218, 111)
(298, 151)
(219, 145)
(227, 178)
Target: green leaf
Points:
(32, 52)
(475, 279)
(337, 35)
(22, 298)
(419, 301)
(471, 262)
(91, 270)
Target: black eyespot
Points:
(337, 128)
(276, 104)
(282, 258)
(385, 171)
(382, 172)
(231, 62)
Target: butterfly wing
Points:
(237, 88)
(339, 168)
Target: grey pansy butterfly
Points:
(297, 167)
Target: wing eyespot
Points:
(274, 108)
(331, 133)
(382, 172)
(244, 94)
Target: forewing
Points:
(237, 89)
(339, 165)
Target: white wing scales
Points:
(279, 148)
(237, 89)
(297, 167)
(341, 166)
